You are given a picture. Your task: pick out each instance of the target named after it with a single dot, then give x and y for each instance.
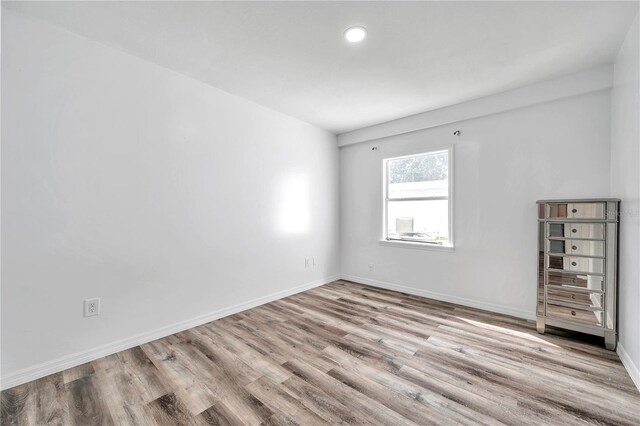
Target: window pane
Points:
(419, 176)
(419, 220)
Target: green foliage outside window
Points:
(419, 169)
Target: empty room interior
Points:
(308, 213)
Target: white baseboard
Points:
(501, 309)
(628, 363)
(56, 365)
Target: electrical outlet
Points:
(92, 307)
(371, 267)
(315, 262)
(306, 262)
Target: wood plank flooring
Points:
(342, 353)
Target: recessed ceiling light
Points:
(355, 34)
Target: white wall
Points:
(579, 83)
(167, 198)
(625, 184)
(503, 164)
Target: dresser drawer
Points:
(575, 314)
(594, 231)
(578, 264)
(564, 297)
(579, 247)
(567, 280)
(577, 211)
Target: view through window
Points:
(417, 198)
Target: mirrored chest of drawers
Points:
(577, 266)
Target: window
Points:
(418, 198)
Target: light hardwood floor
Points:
(342, 353)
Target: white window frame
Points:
(421, 245)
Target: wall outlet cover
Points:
(92, 307)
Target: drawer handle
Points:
(574, 230)
(573, 296)
(574, 211)
(574, 264)
(574, 247)
(573, 313)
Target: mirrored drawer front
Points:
(575, 314)
(587, 282)
(584, 248)
(578, 264)
(577, 211)
(576, 230)
(561, 296)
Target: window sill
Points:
(416, 246)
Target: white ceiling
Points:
(418, 56)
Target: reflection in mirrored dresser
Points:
(577, 266)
